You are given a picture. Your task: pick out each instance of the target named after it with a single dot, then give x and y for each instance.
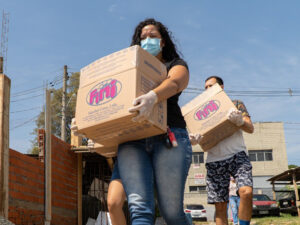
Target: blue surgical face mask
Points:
(151, 45)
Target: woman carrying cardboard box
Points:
(160, 162)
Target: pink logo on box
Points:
(207, 110)
(104, 92)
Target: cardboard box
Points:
(106, 93)
(131, 58)
(207, 115)
(106, 151)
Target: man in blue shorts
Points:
(229, 157)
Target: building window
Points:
(260, 155)
(198, 157)
(197, 188)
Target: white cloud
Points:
(292, 61)
(253, 40)
(112, 8)
(192, 23)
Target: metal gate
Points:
(95, 180)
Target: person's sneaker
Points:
(4, 221)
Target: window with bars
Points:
(261, 155)
(198, 157)
(197, 188)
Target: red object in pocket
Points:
(172, 138)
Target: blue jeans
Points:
(234, 202)
(148, 164)
(115, 173)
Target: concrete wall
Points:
(268, 136)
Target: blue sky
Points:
(253, 45)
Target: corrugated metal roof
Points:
(286, 175)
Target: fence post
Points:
(4, 144)
(76, 141)
(296, 192)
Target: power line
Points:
(25, 92)
(257, 88)
(30, 97)
(41, 87)
(26, 110)
(24, 123)
(248, 95)
(292, 123)
(56, 82)
(30, 91)
(257, 93)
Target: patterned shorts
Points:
(218, 176)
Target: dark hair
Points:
(218, 79)
(169, 50)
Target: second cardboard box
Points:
(207, 115)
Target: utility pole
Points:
(4, 144)
(1, 64)
(63, 109)
(48, 156)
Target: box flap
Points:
(121, 61)
(150, 65)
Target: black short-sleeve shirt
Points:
(174, 115)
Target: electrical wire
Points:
(55, 80)
(255, 89)
(30, 97)
(258, 93)
(253, 94)
(25, 92)
(26, 122)
(26, 110)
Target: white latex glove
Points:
(195, 138)
(74, 128)
(236, 117)
(144, 105)
(90, 143)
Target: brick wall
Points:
(26, 187)
(64, 183)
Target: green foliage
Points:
(292, 166)
(35, 150)
(283, 219)
(56, 105)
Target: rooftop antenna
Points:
(4, 41)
